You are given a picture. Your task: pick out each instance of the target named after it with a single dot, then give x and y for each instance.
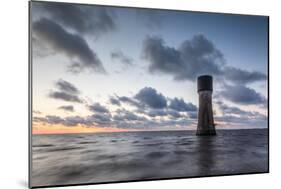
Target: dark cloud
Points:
(160, 113)
(64, 96)
(40, 49)
(156, 113)
(67, 108)
(50, 119)
(242, 95)
(67, 87)
(96, 107)
(120, 56)
(235, 116)
(72, 121)
(240, 76)
(66, 91)
(193, 115)
(125, 115)
(80, 18)
(100, 119)
(130, 101)
(194, 57)
(151, 98)
(174, 114)
(114, 101)
(72, 45)
(235, 111)
(180, 105)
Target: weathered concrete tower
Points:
(205, 115)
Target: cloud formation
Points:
(131, 101)
(180, 105)
(65, 91)
(67, 87)
(114, 101)
(242, 95)
(150, 109)
(240, 76)
(96, 107)
(125, 115)
(80, 18)
(194, 57)
(122, 58)
(100, 119)
(235, 111)
(68, 108)
(151, 98)
(71, 45)
(235, 116)
(64, 96)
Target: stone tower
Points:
(205, 114)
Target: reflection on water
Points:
(206, 154)
(107, 157)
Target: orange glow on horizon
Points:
(60, 129)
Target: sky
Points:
(112, 69)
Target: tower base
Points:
(206, 132)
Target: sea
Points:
(66, 159)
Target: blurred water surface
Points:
(106, 157)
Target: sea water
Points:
(61, 159)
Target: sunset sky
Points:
(110, 69)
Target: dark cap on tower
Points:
(204, 83)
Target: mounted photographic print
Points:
(120, 94)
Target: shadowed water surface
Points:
(106, 157)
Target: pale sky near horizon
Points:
(99, 68)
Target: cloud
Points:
(67, 108)
(234, 116)
(193, 115)
(100, 119)
(71, 121)
(240, 76)
(180, 105)
(124, 115)
(114, 101)
(174, 114)
(80, 18)
(64, 96)
(96, 107)
(67, 87)
(66, 92)
(122, 58)
(130, 101)
(241, 122)
(156, 113)
(40, 49)
(50, 119)
(72, 45)
(235, 111)
(151, 98)
(242, 95)
(194, 57)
